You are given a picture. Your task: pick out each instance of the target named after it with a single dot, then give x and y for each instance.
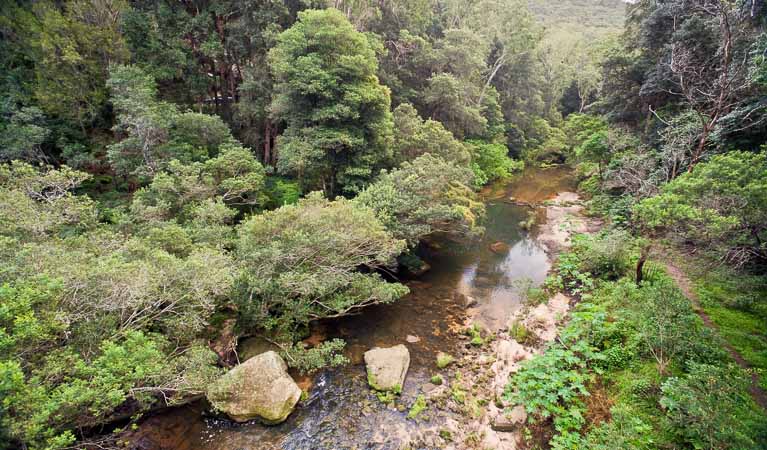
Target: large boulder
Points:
(259, 388)
(387, 367)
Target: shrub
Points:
(710, 408)
(626, 430)
(666, 322)
(518, 331)
(491, 162)
(301, 263)
(604, 255)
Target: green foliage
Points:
(722, 204)
(309, 360)
(386, 397)
(627, 340)
(22, 134)
(437, 380)
(625, 430)
(155, 132)
(281, 191)
(418, 407)
(491, 162)
(301, 263)
(414, 137)
(73, 48)
(444, 360)
(519, 332)
(35, 204)
(233, 178)
(552, 385)
(604, 255)
(339, 126)
(569, 275)
(710, 408)
(427, 196)
(734, 301)
(667, 325)
(545, 143)
(66, 390)
(475, 334)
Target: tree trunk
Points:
(644, 253)
(268, 143)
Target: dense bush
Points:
(604, 255)
(425, 197)
(301, 263)
(491, 162)
(722, 205)
(710, 407)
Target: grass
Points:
(519, 332)
(418, 407)
(743, 327)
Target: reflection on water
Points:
(341, 412)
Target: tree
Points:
(338, 123)
(491, 162)
(721, 204)
(23, 135)
(233, 178)
(414, 137)
(710, 65)
(37, 204)
(508, 26)
(451, 102)
(426, 197)
(155, 132)
(96, 322)
(303, 262)
(76, 45)
(667, 325)
(710, 408)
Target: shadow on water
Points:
(341, 412)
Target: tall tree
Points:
(338, 122)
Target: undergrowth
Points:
(634, 368)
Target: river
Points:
(341, 412)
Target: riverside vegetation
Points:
(177, 175)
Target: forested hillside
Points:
(176, 175)
(591, 16)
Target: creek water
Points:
(341, 412)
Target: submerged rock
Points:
(499, 247)
(259, 388)
(387, 367)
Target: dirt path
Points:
(757, 393)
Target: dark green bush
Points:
(710, 408)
